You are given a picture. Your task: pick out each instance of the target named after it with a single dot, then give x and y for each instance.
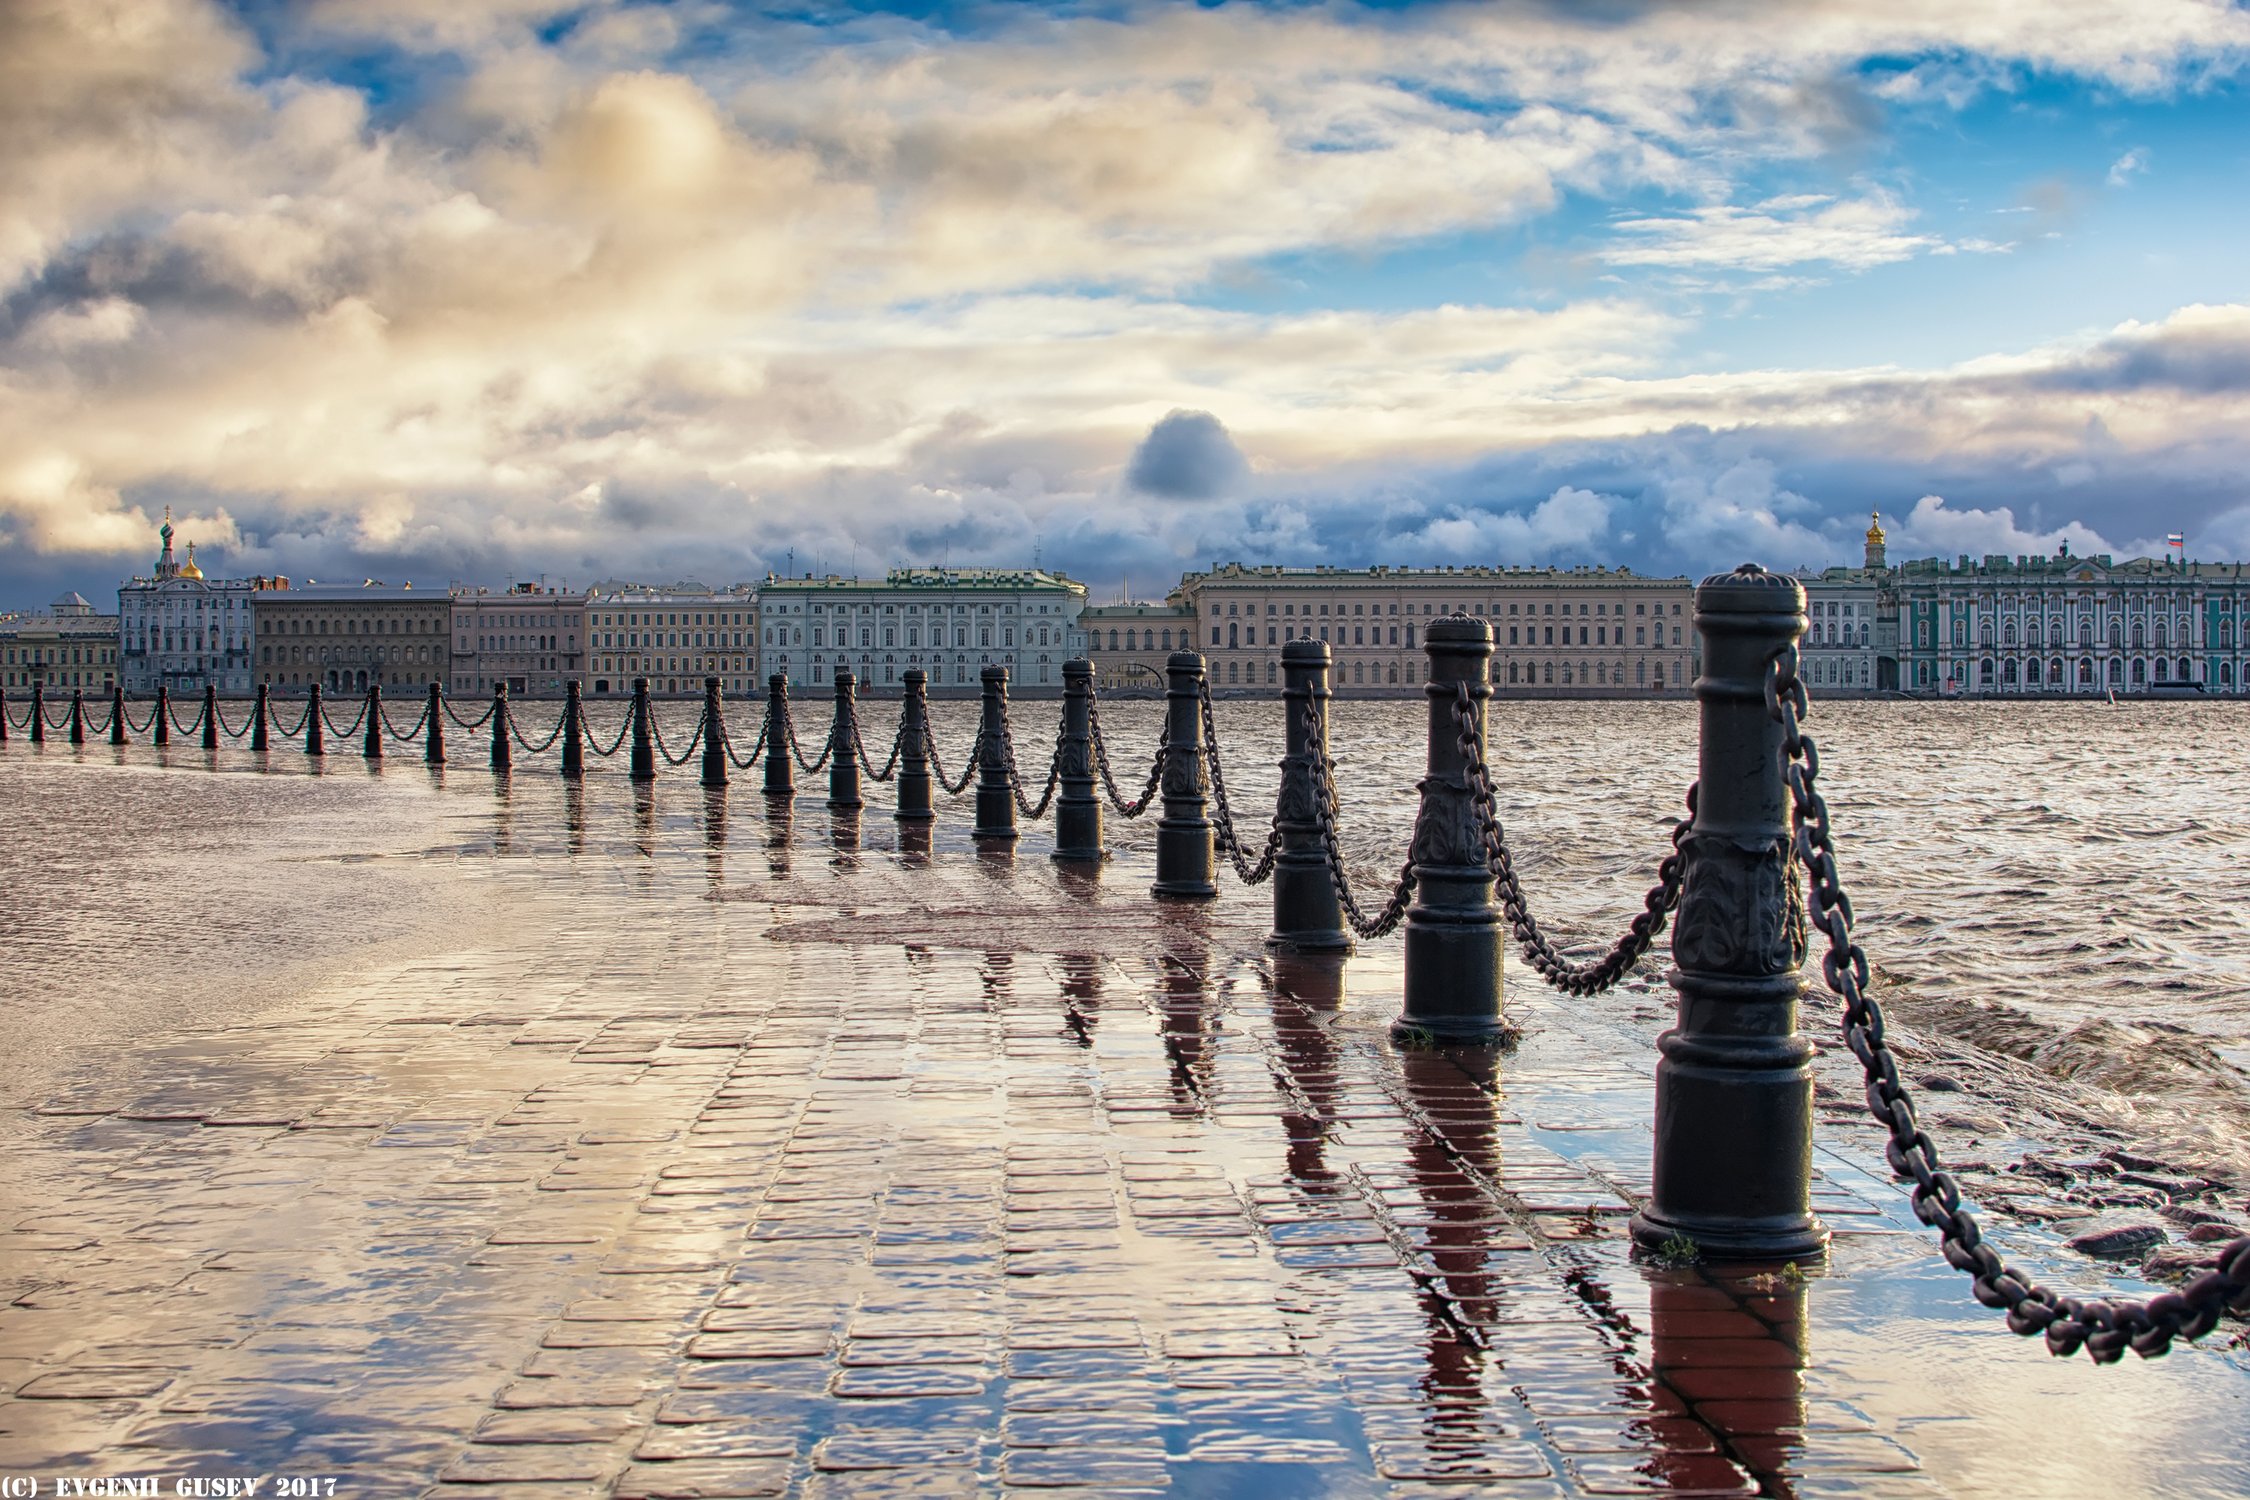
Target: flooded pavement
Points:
(440, 1133)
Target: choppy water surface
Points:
(2049, 882)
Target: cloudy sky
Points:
(492, 289)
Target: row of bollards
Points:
(1733, 1086)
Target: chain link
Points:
(1325, 805)
(1024, 805)
(195, 725)
(470, 724)
(1571, 978)
(1230, 844)
(951, 787)
(867, 764)
(388, 727)
(745, 762)
(2104, 1328)
(343, 734)
(1140, 804)
(229, 730)
(544, 745)
(797, 751)
(274, 714)
(657, 730)
(624, 728)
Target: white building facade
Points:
(179, 630)
(950, 622)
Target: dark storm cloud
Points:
(1188, 455)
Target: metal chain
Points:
(745, 762)
(670, 759)
(976, 757)
(106, 724)
(62, 709)
(141, 728)
(797, 752)
(390, 728)
(1571, 978)
(1024, 804)
(471, 724)
(544, 745)
(349, 730)
(890, 767)
(2105, 1328)
(615, 745)
(1324, 802)
(1250, 872)
(303, 720)
(1140, 804)
(189, 728)
(229, 730)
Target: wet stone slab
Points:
(812, 1169)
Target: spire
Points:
(165, 568)
(1875, 553)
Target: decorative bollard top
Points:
(916, 677)
(995, 673)
(1077, 666)
(1304, 652)
(1458, 632)
(1750, 589)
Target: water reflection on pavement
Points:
(444, 1131)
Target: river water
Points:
(2042, 887)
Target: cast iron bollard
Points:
(116, 714)
(433, 738)
(264, 714)
(996, 800)
(77, 716)
(1078, 811)
(573, 735)
(843, 745)
(1184, 850)
(210, 716)
(1455, 938)
(3, 716)
(1734, 1083)
(1307, 917)
(316, 742)
(162, 717)
(714, 735)
(781, 767)
(371, 745)
(914, 750)
(39, 713)
(503, 755)
(644, 733)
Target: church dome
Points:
(188, 569)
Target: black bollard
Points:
(714, 736)
(843, 745)
(503, 755)
(316, 742)
(433, 735)
(163, 716)
(1078, 811)
(116, 714)
(1734, 1083)
(77, 716)
(3, 716)
(1307, 917)
(781, 769)
(261, 714)
(644, 735)
(914, 750)
(371, 746)
(574, 736)
(996, 801)
(210, 716)
(1455, 941)
(1184, 850)
(39, 713)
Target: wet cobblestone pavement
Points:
(721, 1154)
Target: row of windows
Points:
(688, 619)
(60, 679)
(788, 636)
(1521, 674)
(283, 655)
(2055, 636)
(1518, 635)
(2054, 673)
(69, 656)
(1287, 611)
(348, 625)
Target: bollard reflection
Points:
(781, 823)
(503, 813)
(1185, 1003)
(914, 842)
(1082, 995)
(1452, 1151)
(715, 835)
(1308, 993)
(1731, 1346)
(574, 811)
(843, 836)
(644, 819)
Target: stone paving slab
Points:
(753, 1167)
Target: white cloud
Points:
(2132, 164)
(1781, 232)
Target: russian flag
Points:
(2175, 539)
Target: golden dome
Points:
(188, 569)
(1874, 530)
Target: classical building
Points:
(347, 637)
(67, 646)
(179, 630)
(674, 636)
(1851, 625)
(2070, 625)
(950, 622)
(1127, 643)
(529, 637)
(1577, 632)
